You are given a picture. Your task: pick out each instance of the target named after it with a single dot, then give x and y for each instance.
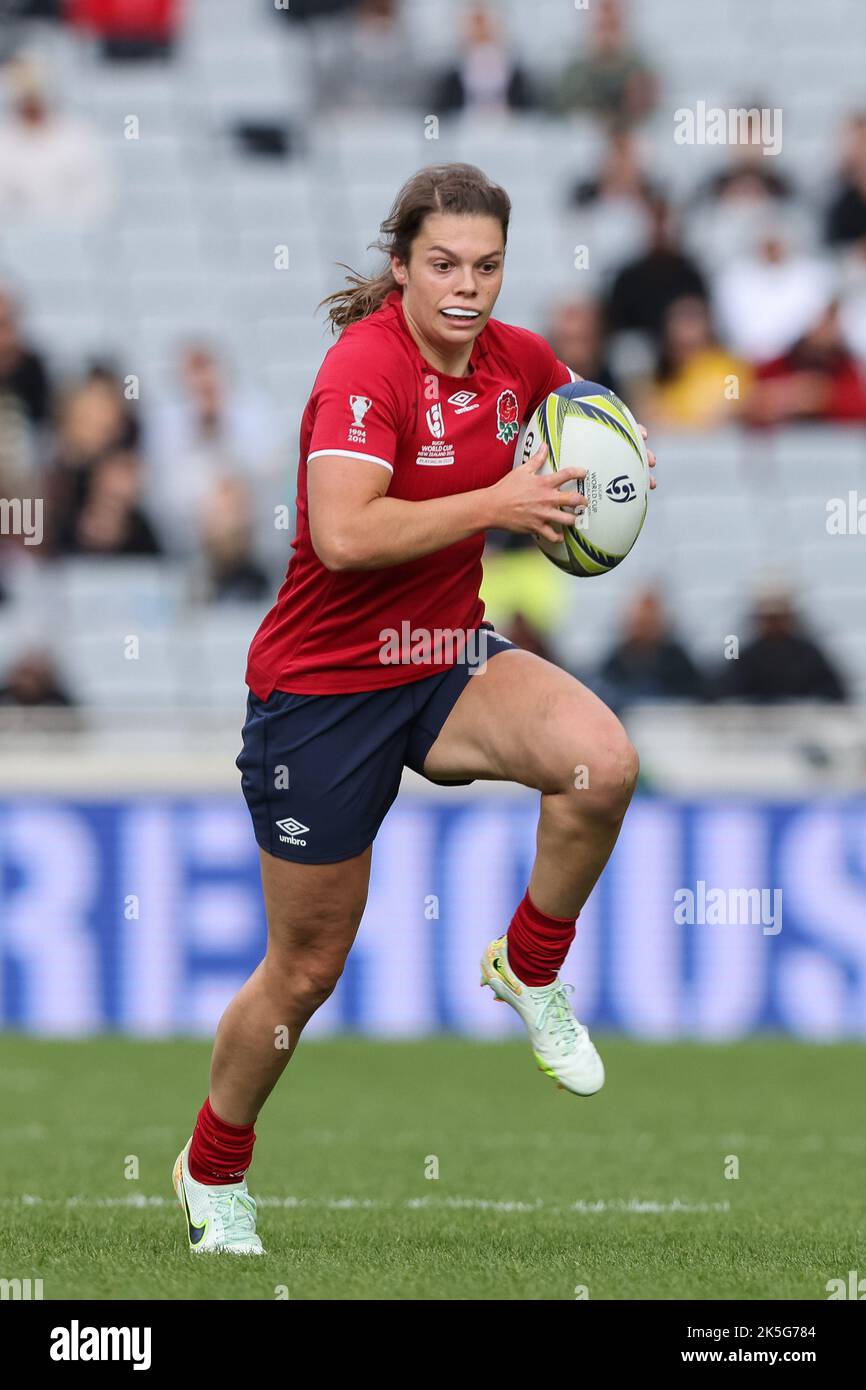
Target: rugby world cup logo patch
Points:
(507, 417)
(621, 489)
(435, 421)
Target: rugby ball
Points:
(586, 425)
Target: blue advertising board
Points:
(713, 919)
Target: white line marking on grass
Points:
(631, 1205)
(634, 1204)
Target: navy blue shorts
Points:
(319, 772)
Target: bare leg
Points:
(314, 911)
(524, 720)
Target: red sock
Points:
(219, 1152)
(538, 944)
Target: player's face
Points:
(453, 277)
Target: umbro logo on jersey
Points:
(462, 399)
(292, 829)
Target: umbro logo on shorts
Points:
(292, 828)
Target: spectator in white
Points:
(53, 169)
(367, 62)
(486, 79)
(204, 433)
(764, 301)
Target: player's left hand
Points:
(651, 458)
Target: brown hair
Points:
(440, 188)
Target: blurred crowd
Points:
(741, 301)
(778, 660)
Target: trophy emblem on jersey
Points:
(360, 405)
(507, 417)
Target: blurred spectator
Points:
(698, 384)
(22, 370)
(818, 379)
(766, 299)
(648, 662)
(731, 208)
(367, 62)
(19, 459)
(752, 175)
(206, 431)
(644, 289)
(851, 266)
(611, 208)
(32, 681)
(486, 78)
(576, 334)
(521, 629)
(141, 29)
(52, 168)
(780, 662)
(94, 418)
(846, 214)
(233, 573)
(110, 519)
(620, 176)
(612, 80)
(303, 11)
(14, 17)
(94, 421)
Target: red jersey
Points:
(375, 397)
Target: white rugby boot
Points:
(218, 1217)
(560, 1044)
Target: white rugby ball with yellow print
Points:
(586, 425)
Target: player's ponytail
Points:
(440, 188)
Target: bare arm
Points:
(354, 525)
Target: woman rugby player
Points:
(407, 443)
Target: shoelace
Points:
(237, 1211)
(564, 1026)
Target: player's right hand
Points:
(526, 500)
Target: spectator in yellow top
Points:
(698, 384)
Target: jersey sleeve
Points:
(544, 371)
(355, 406)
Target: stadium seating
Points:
(190, 244)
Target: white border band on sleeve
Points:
(352, 454)
(571, 373)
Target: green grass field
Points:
(538, 1192)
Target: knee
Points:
(301, 982)
(613, 777)
(604, 784)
